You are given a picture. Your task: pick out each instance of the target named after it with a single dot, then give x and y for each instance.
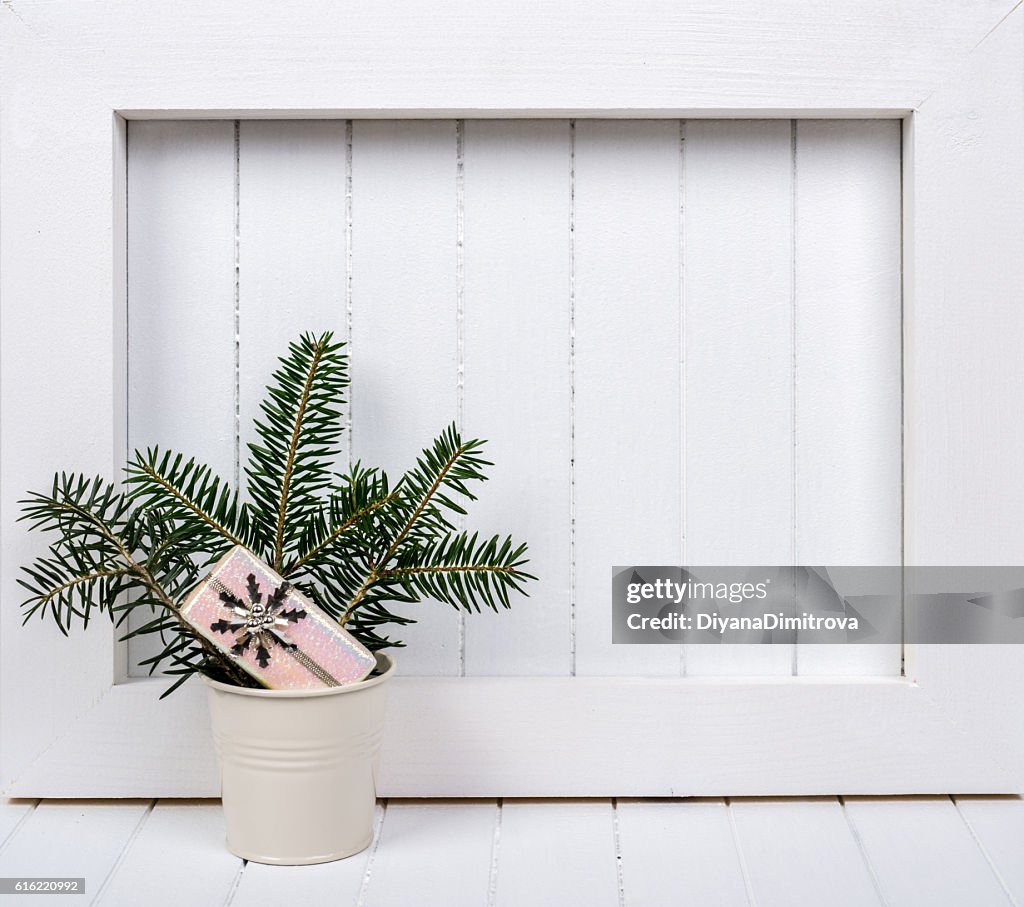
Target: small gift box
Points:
(271, 630)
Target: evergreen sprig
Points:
(113, 557)
(360, 547)
(190, 494)
(88, 565)
(462, 570)
(419, 554)
(342, 522)
(299, 433)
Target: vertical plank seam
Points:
(123, 647)
(903, 416)
(127, 302)
(348, 278)
(378, 833)
(617, 841)
(235, 883)
(236, 314)
(492, 879)
(17, 825)
(682, 364)
(875, 881)
(984, 852)
(460, 339)
(572, 397)
(136, 831)
(794, 665)
(740, 856)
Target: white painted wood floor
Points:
(819, 852)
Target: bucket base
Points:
(299, 861)
(297, 768)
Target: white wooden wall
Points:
(682, 340)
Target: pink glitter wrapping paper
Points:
(323, 646)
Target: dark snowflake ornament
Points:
(256, 623)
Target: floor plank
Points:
(679, 852)
(71, 839)
(764, 852)
(11, 813)
(437, 852)
(998, 825)
(336, 884)
(801, 852)
(556, 852)
(922, 853)
(193, 831)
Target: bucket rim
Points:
(382, 659)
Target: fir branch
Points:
(329, 530)
(69, 584)
(299, 432)
(463, 571)
(87, 509)
(50, 587)
(354, 545)
(289, 467)
(98, 529)
(191, 494)
(417, 516)
(449, 463)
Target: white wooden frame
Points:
(74, 72)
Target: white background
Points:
(73, 74)
(682, 339)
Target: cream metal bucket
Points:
(298, 767)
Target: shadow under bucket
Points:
(298, 767)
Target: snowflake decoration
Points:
(258, 624)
